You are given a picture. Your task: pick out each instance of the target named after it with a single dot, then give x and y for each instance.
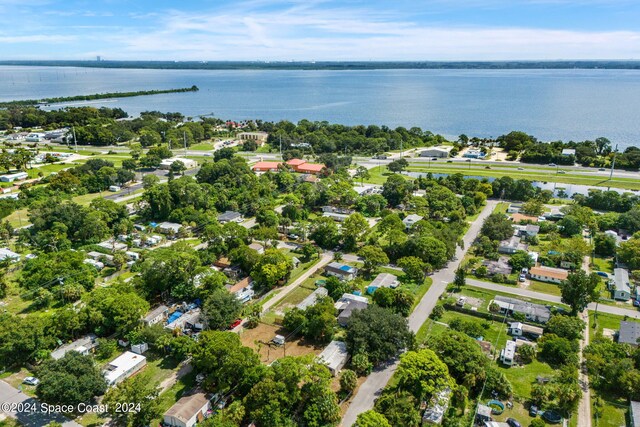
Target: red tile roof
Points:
(296, 162)
(265, 166)
(310, 168)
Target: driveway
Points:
(10, 395)
(373, 385)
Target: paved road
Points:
(602, 308)
(8, 394)
(371, 388)
(584, 408)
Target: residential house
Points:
(185, 320)
(439, 152)
(112, 245)
(313, 298)
(230, 216)
(341, 271)
(188, 411)
(532, 312)
(157, 315)
(335, 216)
(510, 246)
(622, 290)
(123, 367)
(548, 274)
(519, 329)
(257, 247)
(347, 304)
(7, 254)
(337, 209)
(383, 280)
(334, 356)
(18, 176)
(243, 290)
(530, 230)
(410, 220)
(170, 228)
(514, 208)
(82, 345)
(99, 256)
(508, 353)
(569, 152)
(96, 264)
(629, 333)
(434, 413)
(188, 163)
(501, 266)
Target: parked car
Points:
(636, 303)
(235, 323)
(522, 278)
(461, 301)
(533, 411)
(513, 423)
(602, 274)
(520, 169)
(31, 381)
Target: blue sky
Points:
(320, 29)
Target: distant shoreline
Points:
(337, 65)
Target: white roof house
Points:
(7, 254)
(383, 280)
(124, 366)
(82, 345)
(569, 152)
(188, 163)
(188, 411)
(435, 152)
(14, 177)
(156, 315)
(621, 280)
(410, 220)
(169, 227)
(508, 353)
(334, 356)
(438, 405)
(313, 298)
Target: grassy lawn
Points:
(487, 296)
(18, 218)
(522, 378)
(547, 288)
(613, 413)
(604, 321)
(603, 264)
(379, 175)
(501, 207)
(569, 177)
(296, 296)
(47, 169)
(418, 291)
(203, 146)
(496, 333)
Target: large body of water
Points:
(549, 104)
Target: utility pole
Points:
(613, 162)
(184, 136)
(75, 141)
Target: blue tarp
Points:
(176, 315)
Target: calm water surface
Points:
(550, 104)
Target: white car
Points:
(31, 381)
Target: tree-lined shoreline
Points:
(56, 100)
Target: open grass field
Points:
(612, 413)
(260, 337)
(569, 177)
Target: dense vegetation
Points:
(107, 95)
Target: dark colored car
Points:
(235, 323)
(513, 423)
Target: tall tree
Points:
(579, 290)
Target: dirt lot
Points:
(260, 337)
